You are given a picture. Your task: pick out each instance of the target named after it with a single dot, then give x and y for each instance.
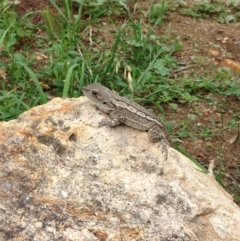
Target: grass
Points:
(74, 57)
(113, 43)
(215, 9)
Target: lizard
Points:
(127, 112)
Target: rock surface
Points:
(63, 178)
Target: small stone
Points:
(38, 224)
(65, 194)
(233, 65)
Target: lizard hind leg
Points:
(158, 134)
(164, 148)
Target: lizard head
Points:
(100, 96)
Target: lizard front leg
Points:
(118, 119)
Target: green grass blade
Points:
(59, 11)
(180, 149)
(68, 80)
(81, 81)
(35, 80)
(3, 36)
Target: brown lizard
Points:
(127, 112)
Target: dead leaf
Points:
(233, 65)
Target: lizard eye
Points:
(94, 92)
(104, 102)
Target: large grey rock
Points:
(63, 178)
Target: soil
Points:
(205, 43)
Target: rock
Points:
(63, 178)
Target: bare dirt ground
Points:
(205, 43)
